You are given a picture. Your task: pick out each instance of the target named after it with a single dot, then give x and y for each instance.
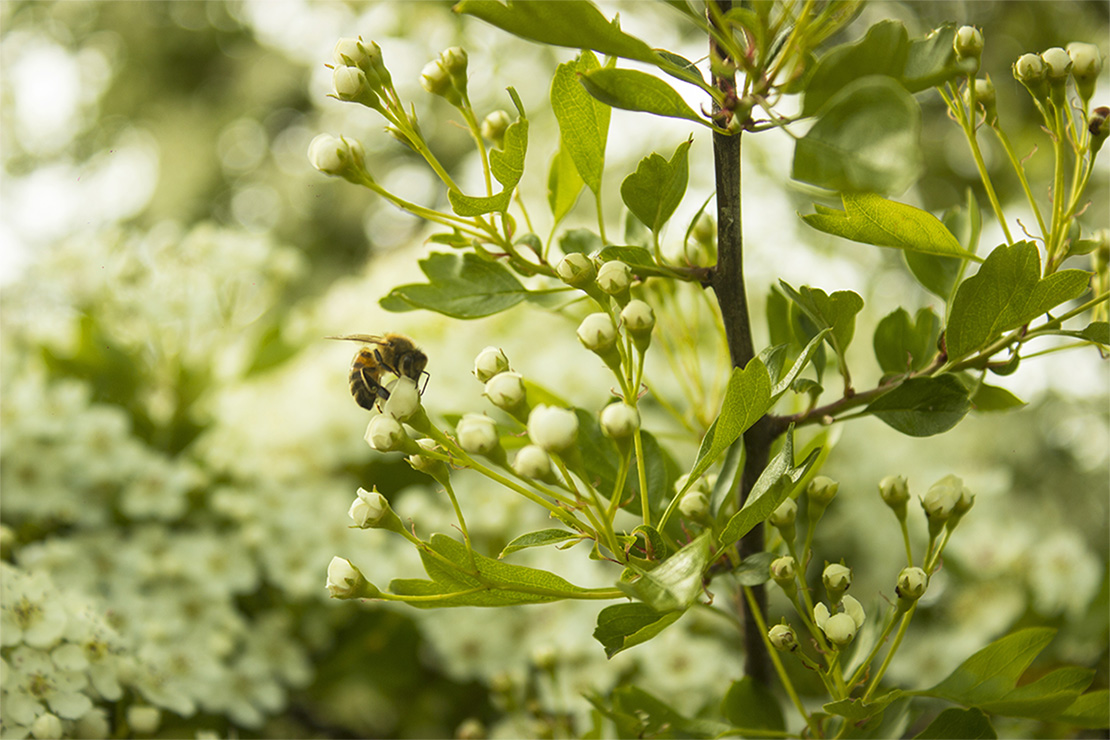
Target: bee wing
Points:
(364, 338)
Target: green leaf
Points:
(773, 487)
(638, 714)
(991, 673)
(636, 257)
(872, 219)
(675, 583)
(462, 286)
(564, 185)
(583, 122)
(681, 68)
(750, 704)
(622, 626)
(959, 724)
(583, 241)
(836, 312)
(572, 23)
(784, 383)
(1090, 710)
(1046, 697)
(1097, 331)
(655, 189)
(857, 711)
(902, 344)
(754, 569)
(865, 139)
(507, 165)
(660, 473)
(501, 584)
(922, 407)
(881, 52)
(932, 60)
(938, 274)
(630, 89)
(599, 453)
(539, 538)
(1006, 293)
(993, 398)
(747, 397)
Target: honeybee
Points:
(389, 353)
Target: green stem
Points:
(641, 473)
(476, 134)
(1020, 170)
(462, 522)
(600, 218)
(890, 653)
(858, 675)
(967, 122)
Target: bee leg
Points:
(427, 376)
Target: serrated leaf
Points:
(902, 344)
(630, 89)
(564, 185)
(463, 286)
(747, 397)
(654, 190)
(675, 583)
(865, 139)
(540, 538)
(750, 704)
(774, 485)
(882, 51)
(572, 23)
(583, 121)
(993, 398)
(622, 626)
(1006, 293)
(507, 165)
(872, 219)
(959, 724)
(922, 407)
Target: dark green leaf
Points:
(865, 140)
(902, 345)
(750, 704)
(932, 60)
(726, 478)
(564, 185)
(583, 122)
(655, 189)
(922, 407)
(507, 165)
(773, 487)
(993, 398)
(755, 569)
(622, 626)
(959, 724)
(572, 23)
(872, 219)
(654, 547)
(583, 241)
(836, 312)
(638, 714)
(881, 52)
(1006, 293)
(676, 582)
(462, 286)
(630, 89)
(1097, 331)
(680, 68)
(539, 539)
(856, 711)
(599, 453)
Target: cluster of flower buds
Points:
(446, 76)
(968, 43)
(359, 75)
(1045, 75)
(694, 504)
(945, 503)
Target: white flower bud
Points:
(894, 490)
(505, 390)
(490, 362)
(336, 156)
(854, 609)
(783, 569)
(385, 434)
(349, 83)
(783, 638)
(837, 578)
(912, 583)
(784, 515)
(454, 60)
(619, 420)
(614, 277)
(822, 488)
(494, 127)
(1086, 60)
(1030, 68)
(941, 499)
(693, 505)
(47, 726)
(1057, 63)
(576, 269)
(597, 333)
(435, 78)
(143, 720)
(984, 96)
(638, 317)
(348, 51)
(424, 463)
(532, 462)
(552, 428)
(840, 629)
(477, 434)
(404, 400)
(368, 508)
(345, 581)
(968, 42)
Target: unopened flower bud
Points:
(1057, 63)
(968, 42)
(490, 362)
(912, 583)
(638, 319)
(352, 85)
(614, 277)
(783, 517)
(494, 127)
(597, 333)
(367, 57)
(404, 399)
(783, 571)
(819, 493)
(532, 462)
(545, 657)
(1098, 127)
(345, 581)
(338, 156)
(368, 508)
(425, 463)
(895, 492)
(782, 637)
(141, 720)
(477, 434)
(840, 629)
(985, 97)
(505, 390)
(349, 52)
(619, 420)
(1086, 63)
(837, 578)
(554, 429)
(1031, 71)
(576, 269)
(437, 80)
(385, 434)
(694, 505)
(940, 500)
(454, 61)
(48, 725)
